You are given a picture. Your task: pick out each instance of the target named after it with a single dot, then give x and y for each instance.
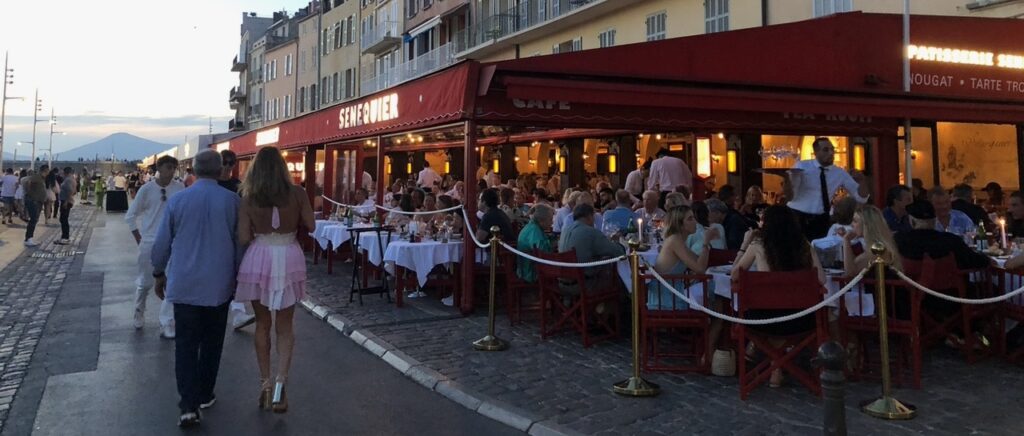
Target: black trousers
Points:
(65, 226)
(814, 226)
(198, 342)
(32, 208)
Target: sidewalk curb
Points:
(488, 406)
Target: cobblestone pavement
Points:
(29, 286)
(558, 382)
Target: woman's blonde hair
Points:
(875, 229)
(675, 221)
(267, 182)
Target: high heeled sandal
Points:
(266, 394)
(279, 402)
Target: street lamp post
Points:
(35, 119)
(49, 150)
(8, 79)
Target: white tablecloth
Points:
(318, 232)
(422, 257)
(375, 250)
(623, 268)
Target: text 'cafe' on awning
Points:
(728, 103)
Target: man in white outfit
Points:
(428, 177)
(143, 219)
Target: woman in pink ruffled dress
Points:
(273, 271)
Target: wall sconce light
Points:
(561, 164)
(408, 168)
(859, 157)
(658, 136)
(913, 155)
(388, 168)
(721, 135)
(730, 161)
(496, 166)
(704, 156)
(675, 147)
(612, 164)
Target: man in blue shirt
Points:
(897, 198)
(195, 259)
(948, 219)
(623, 213)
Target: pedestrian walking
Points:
(143, 217)
(8, 187)
(68, 189)
(100, 187)
(35, 196)
(194, 260)
(273, 271)
(238, 316)
(52, 188)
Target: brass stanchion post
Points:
(885, 407)
(636, 386)
(492, 342)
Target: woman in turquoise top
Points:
(534, 237)
(676, 257)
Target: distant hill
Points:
(122, 145)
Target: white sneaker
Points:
(448, 301)
(242, 319)
(416, 294)
(167, 331)
(63, 242)
(140, 319)
(31, 243)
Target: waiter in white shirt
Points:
(635, 180)
(814, 183)
(667, 172)
(428, 176)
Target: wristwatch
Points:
(157, 275)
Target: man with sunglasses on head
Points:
(143, 217)
(238, 315)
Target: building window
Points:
(656, 26)
(716, 16)
(348, 29)
(337, 35)
(288, 65)
(542, 10)
(337, 90)
(326, 42)
(829, 7)
(287, 106)
(568, 46)
(411, 8)
(301, 103)
(273, 69)
(302, 61)
(606, 38)
(350, 83)
(324, 96)
(312, 97)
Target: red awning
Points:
(437, 99)
(835, 69)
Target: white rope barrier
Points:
(989, 300)
(429, 212)
(563, 264)
(472, 233)
(856, 280)
(337, 203)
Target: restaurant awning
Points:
(429, 101)
(845, 69)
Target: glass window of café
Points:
(977, 154)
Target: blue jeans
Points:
(198, 342)
(32, 208)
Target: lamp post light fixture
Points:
(49, 150)
(8, 79)
(35, 120)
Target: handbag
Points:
(723, 363)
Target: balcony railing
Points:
(423, 64)
(526, 14)
(238, 66)
(236, 125)
(381, 36)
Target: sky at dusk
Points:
(158, 70)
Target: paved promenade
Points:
(558, 385)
